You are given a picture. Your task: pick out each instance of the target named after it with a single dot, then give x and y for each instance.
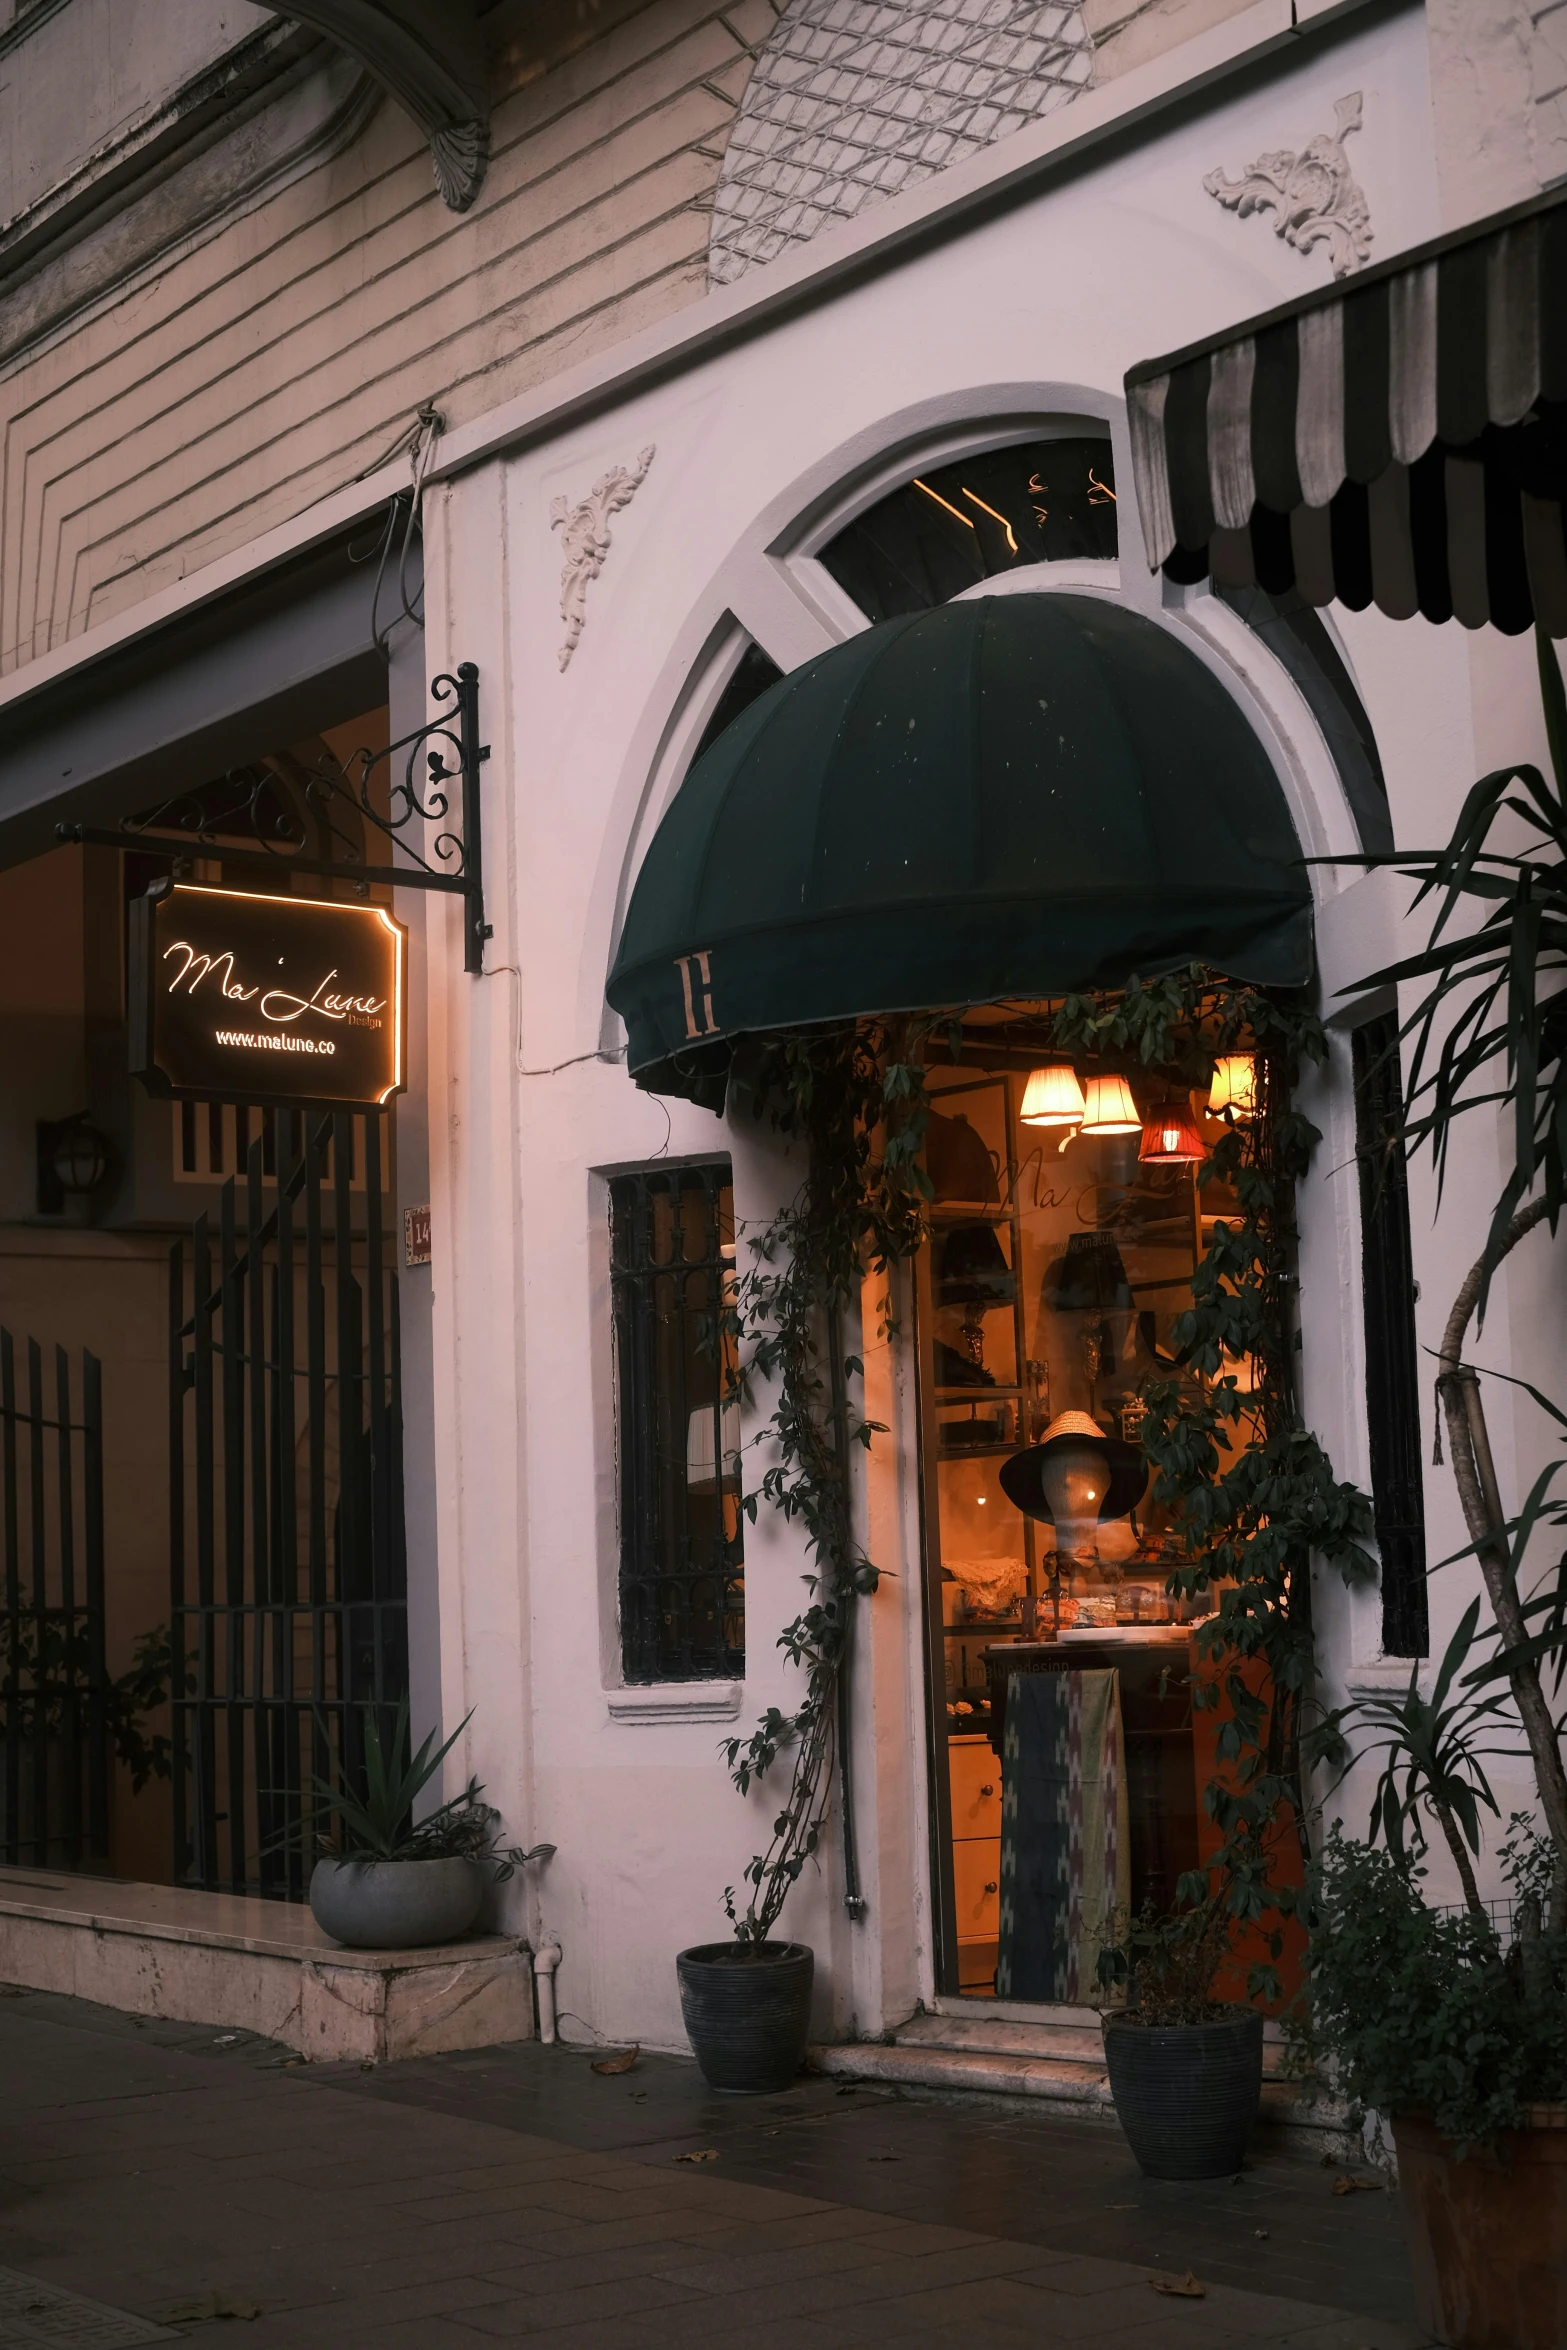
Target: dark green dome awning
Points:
(1010, 796)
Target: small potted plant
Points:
(389, 1882)
(1185, 2068)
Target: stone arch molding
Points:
(852, 101)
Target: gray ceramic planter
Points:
(747, 2020)
(395, 1904)
(1187, 2094)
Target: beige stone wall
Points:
(265, 368)
(268, 364)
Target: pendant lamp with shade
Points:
(1233, 1093)
(1109, 1107)
(1170, 1138)
(1053, 1097)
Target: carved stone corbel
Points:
(429, 55)
(585, 539)
(1315, 194)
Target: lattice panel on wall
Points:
(853, 100)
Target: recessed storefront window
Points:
(1066, 1227)
(945, 530)
(682, 1576)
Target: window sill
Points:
(676, 1701)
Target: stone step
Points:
(1070, 2033)
(1077, 2039)
(995, 2073)
(1068, 2083)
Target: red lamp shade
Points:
(1170, 1137)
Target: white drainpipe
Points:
(545, 1960)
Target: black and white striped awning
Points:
(1398, 438)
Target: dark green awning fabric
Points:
(1009, 796)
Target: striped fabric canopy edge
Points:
(1397, 438)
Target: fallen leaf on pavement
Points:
(1351, 2186)
(882, 2158)
(708, 2154)
(202, 2305)
(617, 2064)
(1261, 2235)
(1186, 2288)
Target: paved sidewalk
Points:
(467, 2200)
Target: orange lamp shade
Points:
(1110, 1108)
(1170, 1138)
(1052, 1097)
(1233, 1093)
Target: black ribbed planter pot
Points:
(1187, 2094)
(747, 2018)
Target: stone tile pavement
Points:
(514, 2194)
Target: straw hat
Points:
(1023, 1483)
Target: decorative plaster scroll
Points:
(585, 540)
(1317, 197)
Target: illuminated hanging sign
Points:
(283, 1001)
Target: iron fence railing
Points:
(54, 1741)
(288, 1564)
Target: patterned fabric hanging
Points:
(1066, 1875)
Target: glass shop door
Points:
(1059, 1259)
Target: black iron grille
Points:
(682, 1580)
(288, 1563)
(54, 1731)
(1392, 1356)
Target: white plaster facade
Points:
(1002, 296)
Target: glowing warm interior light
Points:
(956, 512)
(1053, 1097)
(1110, 1108)
(1170, 1137)
(994, 516)
(1234, 1089)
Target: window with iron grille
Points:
(682, 1574)
(1392, 1355)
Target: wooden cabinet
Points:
(975, 1780)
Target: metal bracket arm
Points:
(283, 802)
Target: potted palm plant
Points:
(389, 1882)
(1453, 2023)
(1185, 2068)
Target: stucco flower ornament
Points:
(1317, 197)
(585, 539)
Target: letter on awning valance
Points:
(1398, 438)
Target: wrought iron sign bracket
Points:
(286, 803)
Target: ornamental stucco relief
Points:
(1316, 195)
(585, 539)
(852, 101)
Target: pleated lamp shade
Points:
(1234, 1090)
(1109, 1108)
(703, 1474)
(1052, 1097)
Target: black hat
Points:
(973, 1270)
(1023, 1483)
(1090, 1278)
(956, 1160)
